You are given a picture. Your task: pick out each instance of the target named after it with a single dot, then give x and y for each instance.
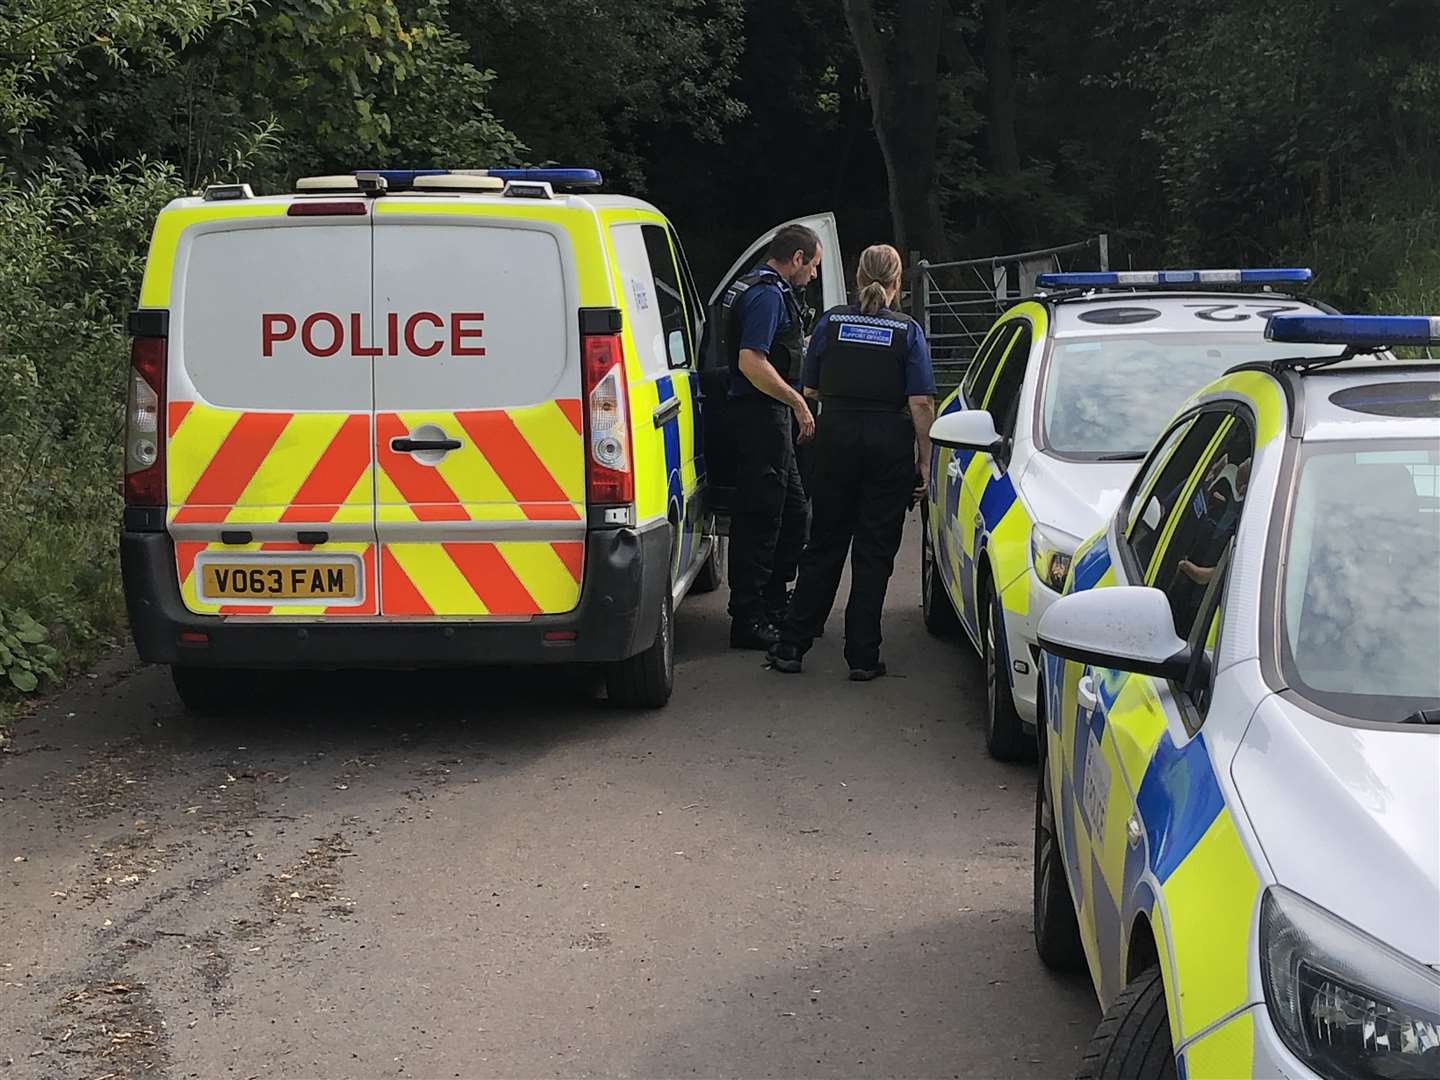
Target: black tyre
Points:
(939, 612)
(711, 575)
(645, 681)
(1057, 931)
(1133, 1039)
(1005, 736)
(211, 691)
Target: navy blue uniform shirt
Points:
(762, 313)
(919, 376)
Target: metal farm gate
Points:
(956, 302)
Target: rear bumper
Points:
(626, 574)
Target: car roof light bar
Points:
(1132, 279)
(1363, 333)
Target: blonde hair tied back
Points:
(878, 272)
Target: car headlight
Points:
(1051, 551)
(1345, 1004)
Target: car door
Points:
(825, 292)
(269, 458)
(480, 479)
(947, 472)
(986, 492)
(661, 322)
(1145, 791)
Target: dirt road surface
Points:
(494, 874)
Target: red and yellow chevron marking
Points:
(186, 552)
(231, 466)
(522, 577)
(520, 464)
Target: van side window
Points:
(641, 299)
(694, 308)
(679, 351)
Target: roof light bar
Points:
(572, 179)
(1357, 331)
(1125, 279)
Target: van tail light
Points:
(609, 472)
(144, 437)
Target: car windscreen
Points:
(1360, 603)
(1112, 395)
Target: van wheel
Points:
(1005, 736)
(1132, 1041)
(935, 605)
(646, 680)
(1057, 932)
(209, 691)
(711, 575)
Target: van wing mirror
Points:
(1124, 628)
(968, 429)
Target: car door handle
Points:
(953, 470)
(1085, 695)
(403, 445)
(665, 412)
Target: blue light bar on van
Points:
(570, 178)
(1359, 331)
(401, 179)
(1124, 279)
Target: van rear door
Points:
(268, 455)
(825, 292)
(480, 478)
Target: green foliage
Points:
(25, 658)
(45, 43)
(611, 83)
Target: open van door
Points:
(825, 292)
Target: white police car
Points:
(1037, 444)
(1240, 786)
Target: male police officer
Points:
(766, 341)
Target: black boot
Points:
(785, 658)
(753, 634)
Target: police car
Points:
(1033, 449)
(1240, 785)
(414, 418)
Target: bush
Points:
(71, 255)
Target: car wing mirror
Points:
(1123, 628)
(968, 429)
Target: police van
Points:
(416, 418)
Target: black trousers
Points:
(767, 521)
(864, 477)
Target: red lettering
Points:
(356, 349)
(307, 333)
(392, 334)
(414, 321)
(275, 328)
(459, 332)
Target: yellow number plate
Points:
(279, 581)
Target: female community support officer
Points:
(870, 368)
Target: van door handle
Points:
(404, 445)
(1085, 695)
(670, 409)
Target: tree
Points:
(613, 84)
(901, 65)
